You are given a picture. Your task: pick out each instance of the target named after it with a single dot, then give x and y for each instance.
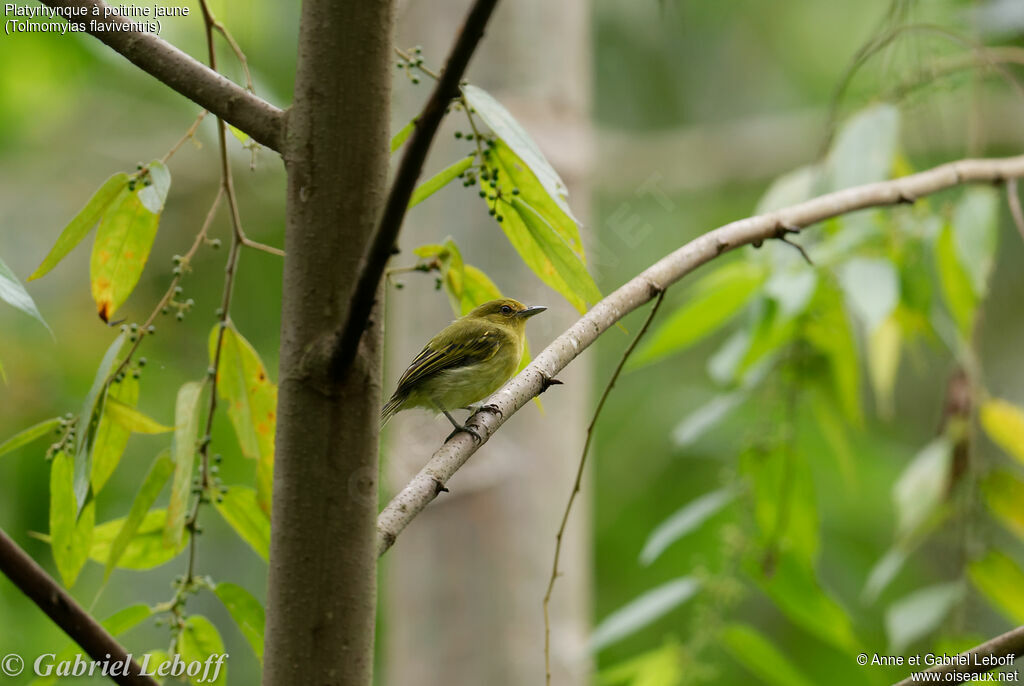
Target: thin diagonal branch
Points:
(579, 481)
(191, 78)
(425, 486)
(384, 238)
(41, 589)
(1010, 644)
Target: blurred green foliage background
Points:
(710, 102)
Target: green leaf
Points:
(793, 588)
(159, 472)
(715, 299)
(913, 617)
(90, 418)
(247, 613)
(643, 610)
(240, 509)
(439, 181)
(111, 436)
(154, 195)
(198, 640)
(883, 572)
(70, 534)
(28, 435)
(955, 282)
(1004, 424)
(402, 135)
(568, 264)
(872, 287)
(1000, 580)
(133, 420)
(784, 501)
(829, 331)
(706, 417)
(759, 655)
(975, 235)
(183, 452)
(243, 383)
(865, 147)
(145, 549)
(116, 624)
(884, 344)
(515, 138)
(790, 189)
(659, 667)
(1004, 495)
(123, 241)
(82, 222)
(921, 488)
(684, 520)
(15, 294)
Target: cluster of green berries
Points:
(66, 431)
(214, 486)
(181, 306)
(142, 175)
(135, 332)
(411, 63)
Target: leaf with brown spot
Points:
(123, 240)
(243, 384)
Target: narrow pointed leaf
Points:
(90, 419)
(82, 222)
(957, 289)
(70, 534)
(716, 298)
(15, 294)
(1001, 580)
(759, 655)
(402, 135)
(240, 509)
(882, 574)
(123, 241)
(1004, 495)
(247, 613)
(111, 436)
(922, 486)
(159, 472)
(642, 611)
(133, 420)
(975, 225)
(913, 617)
(144, 550)
(829, 331)
(684, 520)
(243, 382)
(183, 452)
(30, 434)
(439, 181)
(154, 195)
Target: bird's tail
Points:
(391, 407)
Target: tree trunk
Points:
(322, 589)
(475, 563)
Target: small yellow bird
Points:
(470, 359)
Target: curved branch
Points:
(535, 378)
(1005, 645)
(382, 244)
(78, 624)
(191, 78)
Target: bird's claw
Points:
(492, 408)
(464, 428)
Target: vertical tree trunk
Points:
(464, 583)
(322, 589)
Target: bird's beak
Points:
(530, 311)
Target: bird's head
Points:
(506, 312)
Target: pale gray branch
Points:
(425, 486)
(191, 78)
(1010, 644)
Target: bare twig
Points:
(1005, 645)
(422, 489)
(198, 83)
(188, 134)
(579, 480)
(383, 241)
(41, 589)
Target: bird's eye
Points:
(505, 309)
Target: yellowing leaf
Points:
(90, 419)
(82, 222)
(239, 507)
(439, 181)
(111, 435)
(957, 289)
(1004, 424)
(158, 474)
(402, 135)
(251, 397)
(198, 641)
(884, 344)
(247, 613)
(133, 420)
(28, 435)
(1001, 580)
(144, 549)
(70, 534)
(183, 452)
(1004, 495)
(123, 240)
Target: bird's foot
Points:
(489, 407)
(464, 428)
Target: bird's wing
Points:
(440, 355)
